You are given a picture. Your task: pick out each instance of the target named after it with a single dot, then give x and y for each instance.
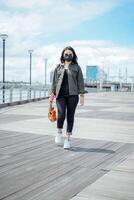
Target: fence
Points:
(19, 93)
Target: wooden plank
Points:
(22, 155)
(35, 156)
(17, 140)
(24, 147)
(5, 134)
(41, 170)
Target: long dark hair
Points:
(74, 61)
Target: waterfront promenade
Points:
(99, 166)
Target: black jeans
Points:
(68, 104)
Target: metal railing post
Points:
(21, 94)
(11, 94)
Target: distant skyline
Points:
(101, 32)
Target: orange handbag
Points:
(52, 114)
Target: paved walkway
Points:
(118, 184)
(100, 164)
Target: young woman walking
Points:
(67, 88)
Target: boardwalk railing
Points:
(19, 93)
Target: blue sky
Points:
(115, 22)
(101, 31)
(116, 25)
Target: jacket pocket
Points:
(74, 72)
(58, 76)
(59, 72)
(74, 69)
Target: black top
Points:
(64, 90)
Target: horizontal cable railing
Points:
(12, 92)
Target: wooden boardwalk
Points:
(32, 167)
(97, 167)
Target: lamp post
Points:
(126, 74)
(132, 83)
(30, 51)
(45, 60)
(4, 37)
(120, 78)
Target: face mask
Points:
(68, 57)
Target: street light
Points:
(4, 37)
(120, 77)
(126, 75)
(45, 59)
(132, 83)
(30, 51)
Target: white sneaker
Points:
(67, 144)
(59, 139)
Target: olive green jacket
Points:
(75, 79)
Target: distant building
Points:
(92, 73)
(51, 76)
(102, 75)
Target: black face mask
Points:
(68, 57)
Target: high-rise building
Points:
(102, 75)
(51, 76)
(95, 73)
(92, 73)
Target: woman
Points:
(67, 85)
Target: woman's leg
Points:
(61, 107)
(72, 102)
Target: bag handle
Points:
(50, 106)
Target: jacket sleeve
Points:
(53, 87)
(81, 89)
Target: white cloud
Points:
(48, 17)
(29, 22)
(27, 4)
(31, 19)
(105, 55)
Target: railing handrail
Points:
(23, 92)
(33, 86)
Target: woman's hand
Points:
(51, 98)
(81, 100)
(50, 106)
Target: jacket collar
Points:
(70, 65)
